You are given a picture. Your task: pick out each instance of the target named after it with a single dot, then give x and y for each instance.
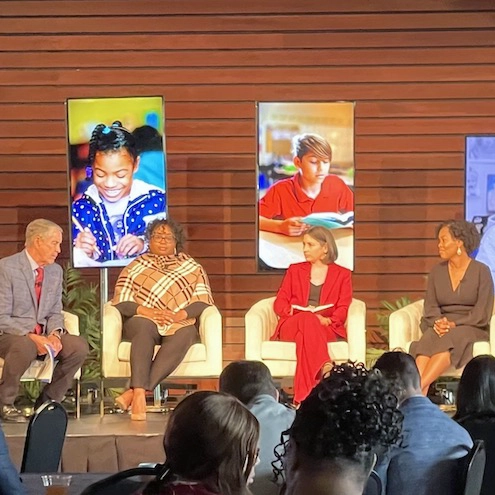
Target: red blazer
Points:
(337, 289)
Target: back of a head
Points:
(245, 380)
(211, 437)
(401, 367)
(147, 139)
(476, 391)
(348, 417)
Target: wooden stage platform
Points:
(101, 445)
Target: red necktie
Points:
(38, 282)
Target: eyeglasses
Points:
(162, 237)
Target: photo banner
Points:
(479, 203)
(305, 178)
(117, 177)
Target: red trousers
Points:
(311, 338)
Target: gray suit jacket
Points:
(19, 310)
(274, 418)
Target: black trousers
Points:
(147, 372)
(18, 351)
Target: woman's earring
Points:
(175, 251)
(459, 252)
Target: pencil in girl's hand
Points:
(81, 229)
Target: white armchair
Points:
(404, 329)
(71, 324)
(203, 359)
(280, 357)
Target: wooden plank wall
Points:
(421, 71)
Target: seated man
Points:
(31, 318)
(347, 419)
(251, 382)
(427, 459)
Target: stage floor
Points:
(101, 445)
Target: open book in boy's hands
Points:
(311, 309)
(330, 220)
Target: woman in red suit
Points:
(316, 282)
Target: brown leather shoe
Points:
(10, 414)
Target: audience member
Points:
(31, 318)
(318, 281)
(458, 304)
(160, 295)
(427, 460)
(211, 446)
(347, 419)
(10, 483)
(476, 410)
(251, 382)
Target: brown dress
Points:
(470, 307)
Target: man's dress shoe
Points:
(11, 414)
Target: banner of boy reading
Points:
(116, 177)
(305, 179)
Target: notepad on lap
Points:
(311, 309)
(42, 369)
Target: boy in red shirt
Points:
(311, 190)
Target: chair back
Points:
(373, 485)
(45, 439)
(121, 483)
(473, 469)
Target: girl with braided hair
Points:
(110, 219)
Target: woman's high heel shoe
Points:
(138, 407)
(326, 369)
(124, 401)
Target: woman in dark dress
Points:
(476, 410)
(458, 304)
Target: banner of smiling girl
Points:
(305, 179)
(116, 151)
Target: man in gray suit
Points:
(31, 318)
(251, 382)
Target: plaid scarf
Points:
(164, 282)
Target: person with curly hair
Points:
(348, 419)
(427, 460)
(458, 304)
(160, 296)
